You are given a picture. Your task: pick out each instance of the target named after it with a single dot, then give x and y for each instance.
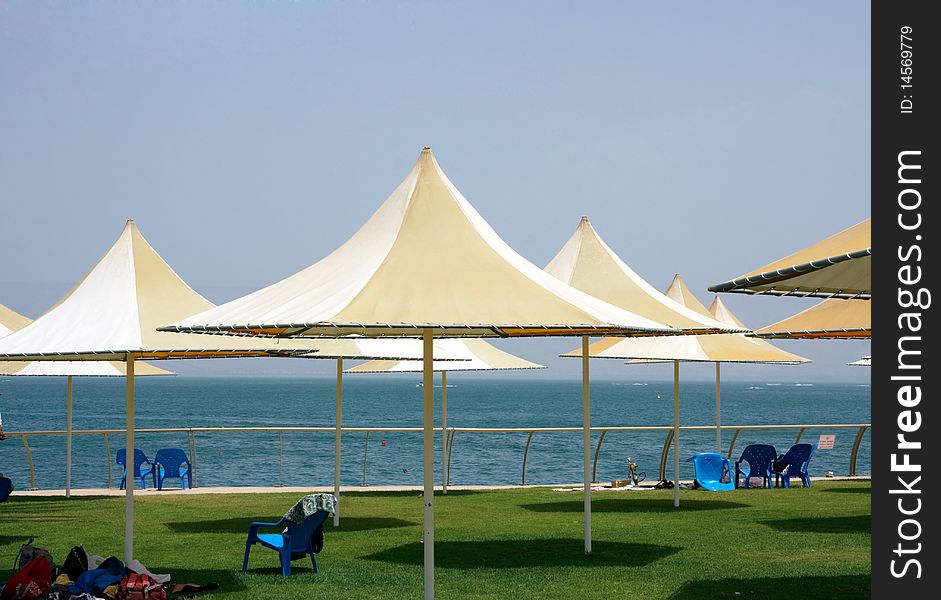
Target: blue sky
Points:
(249, 139)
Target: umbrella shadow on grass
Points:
(785, 588)
(517, 554)
(855, 524)
(632, 505)
(240, 524)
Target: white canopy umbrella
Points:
(588, 263)
(839, 266)
(834, 318)
(481, 355)
(426, 264)
(11, 321)
(112, 314)
(865, 361)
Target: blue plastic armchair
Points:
(797, 459)
(713, 472)
(140, 460)
(294, 541)
(759, 458)
(172, 462)
(6, 487)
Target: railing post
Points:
(594, 465)
(108, 457)
(800, 434)
(450, 450)
(195, 482)
(734, 437)
(365, 456)
(529, 441)
(665, 454)
(280, 458)
(855, 452)
(29, 458)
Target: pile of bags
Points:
(85, 578)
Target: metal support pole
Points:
(586, 443)
(444, 431)
(68, 438)
(336, 449)
(129, 463)
(718, 409)
(428, 472)
(676, 433)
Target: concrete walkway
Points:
(90, 492)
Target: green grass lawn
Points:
(516, 544)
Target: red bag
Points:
(32, 581)
(140, 587)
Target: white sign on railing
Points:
(826, 442)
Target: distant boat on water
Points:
(421, 384)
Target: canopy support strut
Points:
(718, 409)
(336, 450)
(586, 442)
(129, 463)
(68, 438)
(676, 433)
(428, 472)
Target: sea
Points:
(271, 458)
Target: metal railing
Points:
(449, 437)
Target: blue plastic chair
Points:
(140, 459)
(798, 459)
(710, 469)
(759, 458)
(294, 542)
(6, 487)
(172, 462)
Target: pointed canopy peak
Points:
(116, 308)
(721, 312)
(587, 263)
(680, 293)
(425, 259)
(11, 321)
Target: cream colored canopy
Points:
(66, 368)
(480, 355)
(115, 310)
(425, 260)
(588, 264)
(11, 321)
(839, 266)
(832, 318)
(735, 347)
